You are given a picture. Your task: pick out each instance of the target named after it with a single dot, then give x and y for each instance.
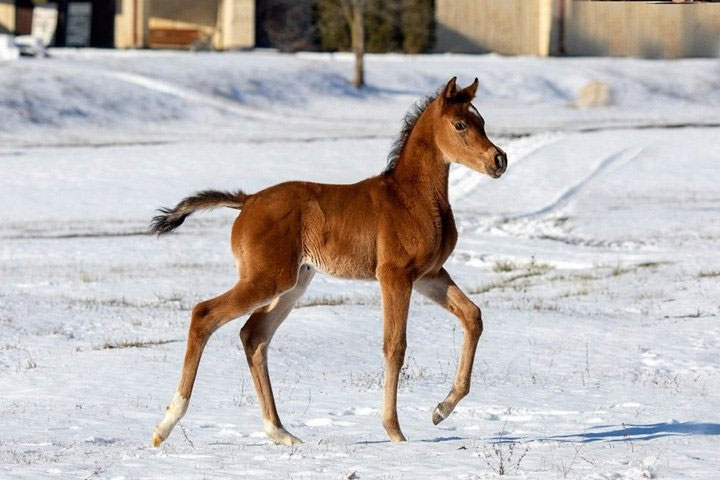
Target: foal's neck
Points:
(421, 169)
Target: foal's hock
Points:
(396, 227)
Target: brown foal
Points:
(397, 228)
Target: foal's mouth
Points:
(498, 173)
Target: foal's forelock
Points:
(474, 111)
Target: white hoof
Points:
(173, 413)
(280, 436)
(157, 438)
(439, 414)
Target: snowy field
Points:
(595, 260)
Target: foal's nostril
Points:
(500, 161)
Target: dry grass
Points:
(364, 381)
(579, 292)
(134, 344)
(531, 269)
(603, 273)
(709, 274)
(324, 300)
(504, 266)
(618, 270)
(88, 277)
(12, 455)
(174, 301)
(327, 300)
(503, 458)
(196, 265)
(411, 372)
(540, 305)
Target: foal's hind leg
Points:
(256, 335)
(442, 290)
(207, 317)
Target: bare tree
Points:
(354, 11)
(285, 24)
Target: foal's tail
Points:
(171, 218)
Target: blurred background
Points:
(529, 27)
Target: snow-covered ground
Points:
(595, 260)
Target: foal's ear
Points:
(472, 88)
(450, 89)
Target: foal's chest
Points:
(441, 245)
(449, 237)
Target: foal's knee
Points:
(473, 318)
(254, 341)
(245, 336)
(250, 339)
(198, 320)
(395, 351)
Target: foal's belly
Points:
(340, 238)
(341, 265)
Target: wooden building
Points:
(658, 29)
(216, 24)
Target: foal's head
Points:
(460, 132)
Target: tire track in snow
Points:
(464, 181)
(622, 157)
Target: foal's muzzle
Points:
(500, 163)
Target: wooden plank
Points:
(180, 37)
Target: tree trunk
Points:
(358, 41)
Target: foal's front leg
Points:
(396, 289)
(442, 290)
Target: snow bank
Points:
(89, 93)
(8, 51)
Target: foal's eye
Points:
(460, 126)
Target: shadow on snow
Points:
(622, 433)
(625, 432)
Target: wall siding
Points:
(531, 27)
(503, 26)
(643, 29)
